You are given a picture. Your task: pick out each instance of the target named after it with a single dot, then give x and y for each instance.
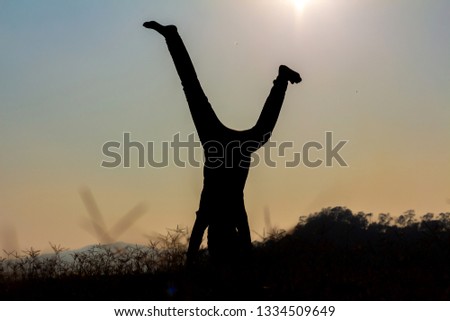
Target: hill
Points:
(333, 254)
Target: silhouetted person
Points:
(227, 155)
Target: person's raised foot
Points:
(288, 74)
(163, 30)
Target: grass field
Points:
(330, 255)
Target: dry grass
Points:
(330, 255)
(166, 253)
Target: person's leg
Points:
(260, 134)
(262, 131)
(205, 120)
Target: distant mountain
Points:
(69, 255)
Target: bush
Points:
(330, 255)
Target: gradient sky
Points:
(75, 74)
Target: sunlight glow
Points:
(300, 4)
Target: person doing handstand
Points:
(227, 154)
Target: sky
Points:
(77, 74)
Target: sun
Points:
(300, 4)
